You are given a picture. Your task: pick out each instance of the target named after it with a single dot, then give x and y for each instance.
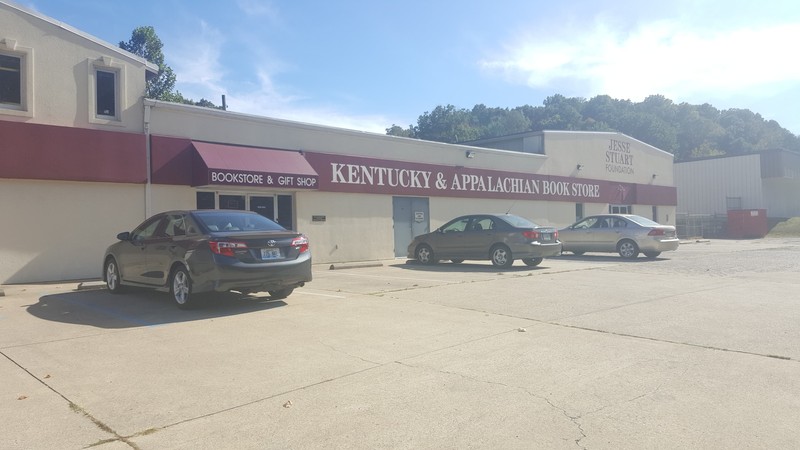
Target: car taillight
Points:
(300, 243)
(531, 234)
(226, 248)
(656, 232)
(555, 235)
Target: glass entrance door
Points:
(263, 205)
(277, 207)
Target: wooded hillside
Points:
(687, 131)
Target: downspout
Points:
(148, 187)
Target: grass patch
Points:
(787, 228)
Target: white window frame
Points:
(107, 64)
(10, 47)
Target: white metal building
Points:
(712, 187)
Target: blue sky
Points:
(366, 65)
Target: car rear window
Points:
(643, 221)
(236, 221)
(518, 222)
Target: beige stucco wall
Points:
(59, 230)
(60, 61)
(358, 227)
(591, 150)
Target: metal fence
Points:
(691, 226)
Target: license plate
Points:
(547, 237)
(270, 253)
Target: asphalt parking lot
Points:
(699, 348)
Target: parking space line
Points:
(322, 295)
(398, 278)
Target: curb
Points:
(90, 286)
(342, 266)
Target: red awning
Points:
(231, 165)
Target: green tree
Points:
(144, 42)
(687, 131)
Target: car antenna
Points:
(512, 206)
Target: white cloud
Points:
(657, 58)
(258, 8)
(265, 100)
(196, 62)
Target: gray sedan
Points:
(500, 238)
(192, 252)
(626, 234)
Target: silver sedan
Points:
(626, 234)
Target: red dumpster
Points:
(747, 223)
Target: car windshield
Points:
(643, 221)
(216, 220)
(518, 222)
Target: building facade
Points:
(83, 156)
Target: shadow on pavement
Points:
(466, 267)
(608, 258)
(141, 308)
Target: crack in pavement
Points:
(78, 409)
(573, 419)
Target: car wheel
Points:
(628, 249)
(532, 261)
(425, 255)
(501, 256)
(456, 261)
(577, 253)
(181, 288)
(281, 293)
(113, 279)
(652, 255)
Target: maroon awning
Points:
(231, 165)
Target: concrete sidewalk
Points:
(697, 350)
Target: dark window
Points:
(578, 211)
(10, 80)
(106, 93)
(231, 202)
(206, 200)
(285, 211)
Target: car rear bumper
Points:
(536, 250)
(659, 245)
(254, 277)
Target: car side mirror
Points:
(126, 236)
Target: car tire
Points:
(281, 293)
(652, 255)
(181, 288)
(532, 261)
(577, 253)
(425, 255)
(456, 261)
(113, 278)
(628, 249)
(501, 256)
